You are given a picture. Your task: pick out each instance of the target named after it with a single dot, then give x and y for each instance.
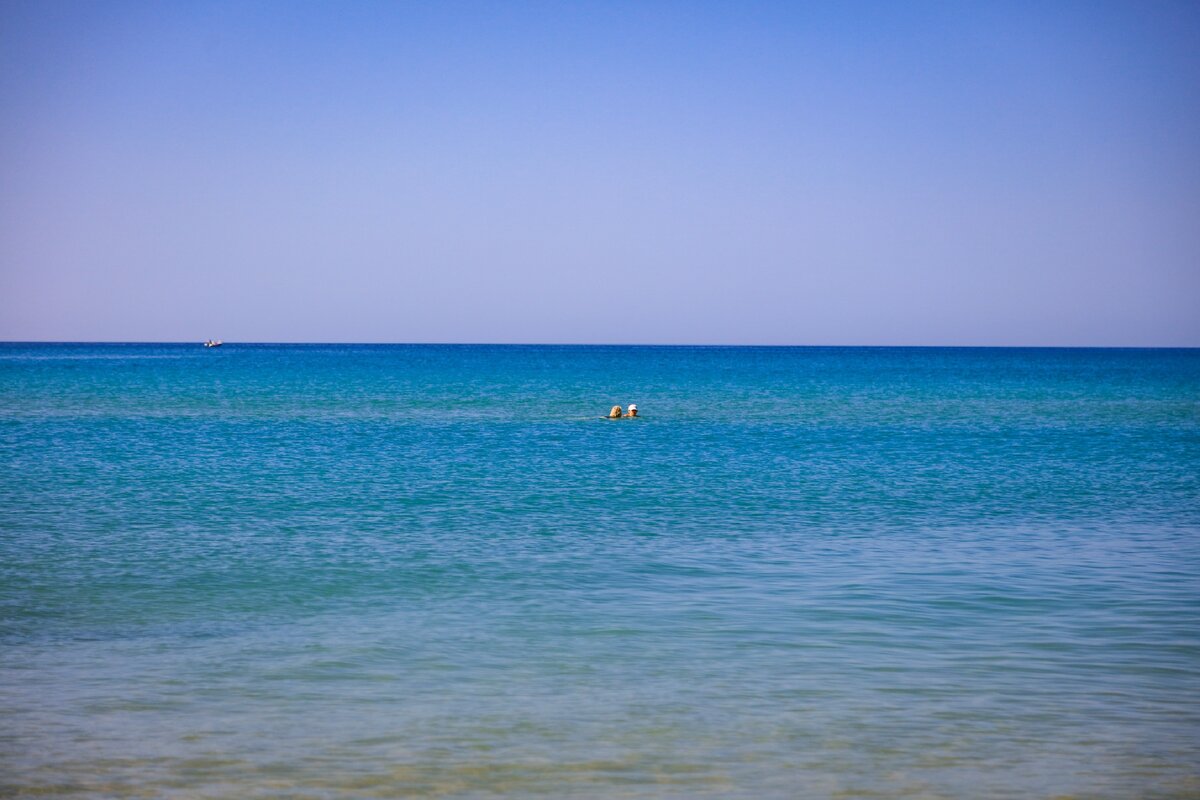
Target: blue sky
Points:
(773, 173)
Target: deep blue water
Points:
(433, 571)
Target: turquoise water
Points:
(432, 571)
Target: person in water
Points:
(615, 413)
(632, 410)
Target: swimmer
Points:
(632, 410)
(615, 413)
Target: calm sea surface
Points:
(433, 571)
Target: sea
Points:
(355, 571)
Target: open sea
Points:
(344, 571)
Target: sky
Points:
(941, 173)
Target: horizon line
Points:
(199, 342)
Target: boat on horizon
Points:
(213, 343)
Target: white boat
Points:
(213, 343)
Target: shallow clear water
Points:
(354, 571)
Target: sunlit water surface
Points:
(433, 571)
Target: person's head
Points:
(616, 411)
(632, 410)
